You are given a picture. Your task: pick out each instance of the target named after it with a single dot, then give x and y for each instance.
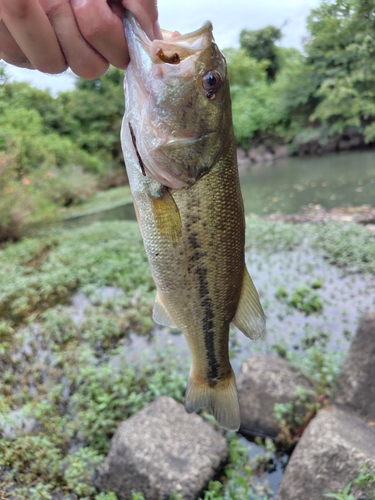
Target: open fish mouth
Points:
(173, 54)
(174, 48)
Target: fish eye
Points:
(211, 82)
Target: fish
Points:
(180, 155)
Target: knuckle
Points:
(91, 72)
(51, 68)
(17, 8)
(53, 7)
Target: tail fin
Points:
(221, 399)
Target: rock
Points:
(256, 154)
(268, 156)
(329, 146)
(344, 145)
(162, 450)
(262, 382)
(280, 151)
(243, 160)
(352, 142)
(241, 154)
(356, 383)
(328, 456)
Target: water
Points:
(123, 212)
(334, 180)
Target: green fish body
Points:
(180, 156)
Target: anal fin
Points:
(160, 315)
(249, 317)
(221, 399)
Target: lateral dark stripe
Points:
(208, 314)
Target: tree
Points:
(341, 49)
(260, 44)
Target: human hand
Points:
(85, 35)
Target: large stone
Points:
(243, 161)
(257, 154)
(281, 151)
(356, 383)
(328, 456)
(263, 382)
(162, 450)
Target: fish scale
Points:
(189, 206)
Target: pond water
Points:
(334, 180)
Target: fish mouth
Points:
(173, 49)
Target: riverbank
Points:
(269, 151)
(80, 352)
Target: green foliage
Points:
(349, 246)
(345, 495)
(23, 139)
(242, 474)
(82, 384)
(293, 414)
(47, 270)
(366, 480)
(274, 236)
(92, 114)
(260, 44)
(304, 298)
(318, 365)
(340, 48)
(258, 111)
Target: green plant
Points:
(345, 495)
(366, 480)
(305, 300)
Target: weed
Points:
(366, 480)
(304, 298)
(345, 495)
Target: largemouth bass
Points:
(180, 155)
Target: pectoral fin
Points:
(249, 317)
(167, 216)
(160, 315)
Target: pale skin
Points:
(84, 35)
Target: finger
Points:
(33, 33)
(10, 51)
(82, 58)
(146, 13)
(102, 28)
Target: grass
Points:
(349, 246)
(103, 200)
(68, 381)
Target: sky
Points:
(228, 17)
